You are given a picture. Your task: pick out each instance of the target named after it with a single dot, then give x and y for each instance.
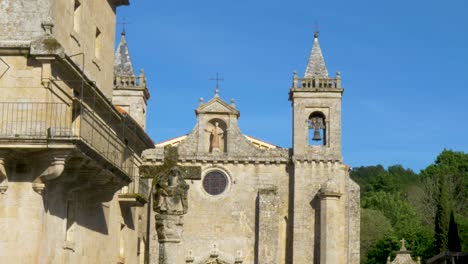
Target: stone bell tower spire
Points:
(316, 66)
(130, 92)
(122, 61)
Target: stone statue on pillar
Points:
(170, 195)
(170, 204)
(170, 201)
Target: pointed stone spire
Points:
(122, 62)
(316, 66)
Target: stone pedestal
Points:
(169, 229)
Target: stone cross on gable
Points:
(217, 79)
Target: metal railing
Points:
(37, 120)
(34, 120)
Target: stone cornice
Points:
(220, 160)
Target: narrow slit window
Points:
(77, 16)
(98, 43)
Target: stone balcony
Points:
(136, 193)
(100, 149)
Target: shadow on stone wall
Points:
(257, 228)
(315, 203)
(127, 216)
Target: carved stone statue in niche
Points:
(170, 196)
(215, 137)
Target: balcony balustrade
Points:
(31, 123)
(317, 83)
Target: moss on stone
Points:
(51, 44)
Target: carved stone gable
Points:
(217, 106)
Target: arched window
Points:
(317, 129)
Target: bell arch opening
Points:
(317, 135)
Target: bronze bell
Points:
(317, 136)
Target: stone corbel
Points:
(54, 169)
(46, 74)
(3, 173)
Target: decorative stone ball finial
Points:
(200, 101)
(233, 102)
(316, 34)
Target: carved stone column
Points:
(170, 204)
(330, 238)
(169, 229)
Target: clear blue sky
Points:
(404, 66)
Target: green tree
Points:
(405, 221)
(442, 216)
(446, 187)
(385, 247)
(374, 227)
(454, 244)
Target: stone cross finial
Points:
(217, 79)
(124, 23)
(403, 241)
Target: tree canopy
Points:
(399, 203)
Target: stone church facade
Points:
(223, 197)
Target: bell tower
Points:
(324, 200)
(316, 101)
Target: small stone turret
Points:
(130, 91)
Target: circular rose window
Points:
(215, 182)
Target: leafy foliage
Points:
(399, 203)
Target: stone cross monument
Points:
(170, 201)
